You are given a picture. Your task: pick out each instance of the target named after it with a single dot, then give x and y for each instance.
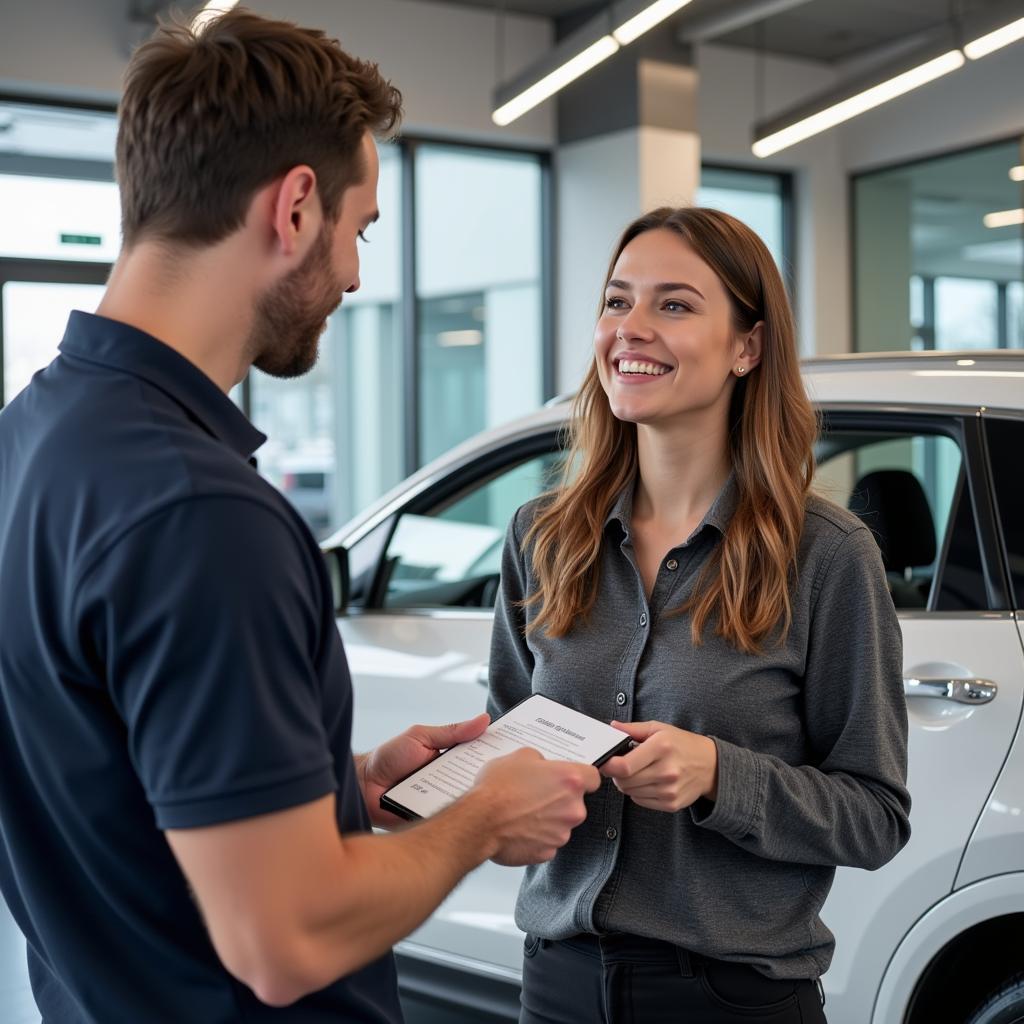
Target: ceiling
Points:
(822, 30)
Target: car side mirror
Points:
(337, 570)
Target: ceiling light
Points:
(651, 15)
(986, 44)
(588, 46)
(212, 9)
(1004, 218)
(797, 130)
(1017, 173)
(460, 339)
(557, 79)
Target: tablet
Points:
(559, 732)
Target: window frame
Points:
(964, 427)
(786, 194)
(851, 235)
(408, 146)
(984, 419)
(456, 483)
(927, 330)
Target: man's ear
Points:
(752, 345)
(296, 213)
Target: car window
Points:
(905, 487)
(451, 556)
(1006, 454)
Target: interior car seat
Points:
(892, 505)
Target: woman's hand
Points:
(393, 760)
(669, 770)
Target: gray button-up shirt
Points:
(811, 738)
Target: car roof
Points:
(962, 380)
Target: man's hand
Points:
(382, 767)
(535, 804)
(669, 770)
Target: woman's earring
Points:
(741, 370)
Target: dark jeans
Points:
(623, 979)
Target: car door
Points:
(997, 845)
(417, 640)
(962, 665)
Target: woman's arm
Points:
(851, 806)
(510, 669)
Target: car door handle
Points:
(482, 677)
(961, 691)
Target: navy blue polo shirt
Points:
(168, 659)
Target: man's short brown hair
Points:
(209, 117)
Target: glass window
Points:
(1006, 449)
(35, 315)
(1015, 314)
(479, 291)
(925, 222)
(903, 487)
(451, 556)
(966, 313)
(335, 434)
(53, 218)
(961, 578)
(754, 197)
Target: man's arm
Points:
(291, 905)
(392, 761)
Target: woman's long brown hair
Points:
(744, 587)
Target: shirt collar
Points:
(110, 343)
(718, 515)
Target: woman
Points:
(684, 581)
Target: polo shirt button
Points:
(643, 619)
(671, 565)
(620, 699)
(612, 833)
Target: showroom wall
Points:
(442, 57)
(444, 60)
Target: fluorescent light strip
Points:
(984, 45)
(213, 9)
(866, 100)
(1003, 219)
(647, 19)
(1017, 173)
(460, 339)
(557, 79)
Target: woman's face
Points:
(665, 344)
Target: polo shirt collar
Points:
(110, 343)
(718, 515)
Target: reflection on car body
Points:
(926, 447)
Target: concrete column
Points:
(628, 142)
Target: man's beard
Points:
(291, 316)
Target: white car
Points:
(929, 449)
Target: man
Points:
(184, 832)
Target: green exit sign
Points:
(81, 239)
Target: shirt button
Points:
(643, 619)
(612, 833)
(671, 565)
(620, 699)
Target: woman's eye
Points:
(614, 303)
(677, 307)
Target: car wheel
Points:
(1003, 1006)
